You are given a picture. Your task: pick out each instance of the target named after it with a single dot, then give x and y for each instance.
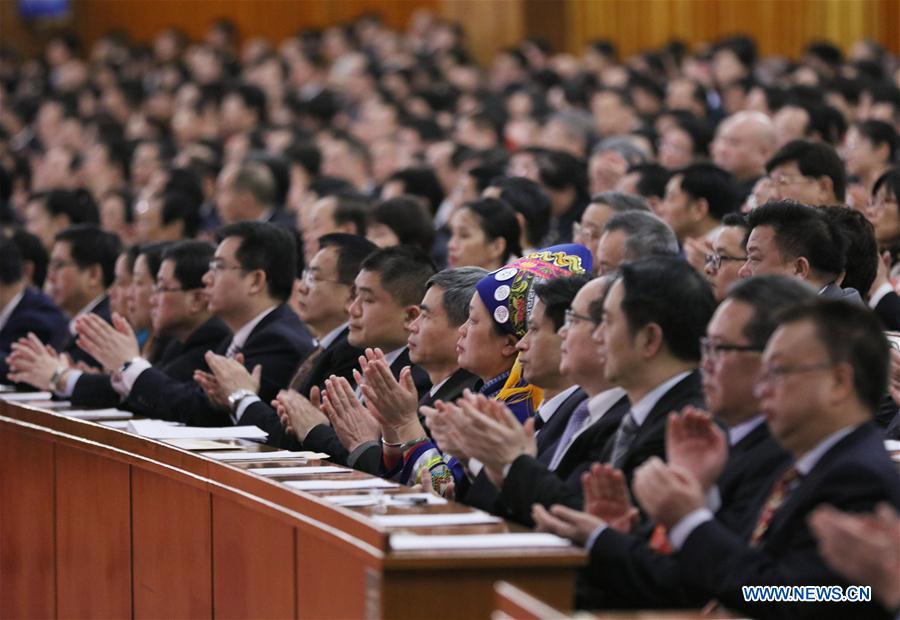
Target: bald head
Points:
(744, 142)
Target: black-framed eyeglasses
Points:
(716, 260)
(158, 288)
(310, 278)
(711, 350)
(768, 375)
(216, 266)
(571, 317)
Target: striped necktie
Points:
(780, 492)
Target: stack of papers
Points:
(340, 485)
(158, 429)
(405, 500)
(433, 519)
(299, 471)
(414, 542)
(24, 397)
(98, 414)
(272, 455)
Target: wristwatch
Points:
(237, 396)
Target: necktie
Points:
(659, 540)
(573, 425)
(538, 420)
(305, 368)
(624, 438)
(779, 494)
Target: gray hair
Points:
(458, 285)
(624, 147)
(257, 179)
(620, 201)
(645, 235)
(577, 122)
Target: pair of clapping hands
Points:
(39, 365)
(696, 453)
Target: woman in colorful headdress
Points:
(498, 318)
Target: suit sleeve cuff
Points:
(71, 380)
(358, 452)
(879, 294)
(242, 406)
(592, 539)
(131, 374)
(684, 528)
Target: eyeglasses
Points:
(311, 279)
(571, 317)
(216, 266)
(715, 260)
(711, 350)
(789, 179)
(56, 265)
(769, 375)
(588, 232)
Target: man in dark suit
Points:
(179, 313)
(626, 571)
(325, 293)
(247, 284)
(81, 268)
(389, 287)
(22, 309)
(432, 347)
(823, 374)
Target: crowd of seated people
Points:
(640, 303)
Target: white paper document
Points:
(299, 471)
(427, 520)
(414, 542)
(157, 429)
(406, 500)
(340, 485)
(274, 455)
(98, 414)
(24, 397)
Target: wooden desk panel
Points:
(93, 535)
(253, 563)
(172, 547)
(211, 539)
(27, 551)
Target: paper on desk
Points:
(157, 429)
(415, 542)
(425, 520)
(24, 397)
(366, 499)
(98, 414)
(339, 485)
(198, 444)
(50, 404)
(119, 424)
(272, 455)
(299, 471)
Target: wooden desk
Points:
(96, 522)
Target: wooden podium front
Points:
(96, 522)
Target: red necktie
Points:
(773, 503)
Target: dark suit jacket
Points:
(178, 361)
(339, 358)
(854, 475)
(624, 573)
(66, 342)
(530, 482)
(36, 313)
(483, 494)
(277, 343)
(370, 459)
(888, 310)
(322, 438)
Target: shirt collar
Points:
(807, 462)
(493, 386)
(86, 310)
(329, 338)
(600, 403)
(241, 335)
(739, 431)
(548, 407)
(10, 307)
(391, 357)
(641, 409)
